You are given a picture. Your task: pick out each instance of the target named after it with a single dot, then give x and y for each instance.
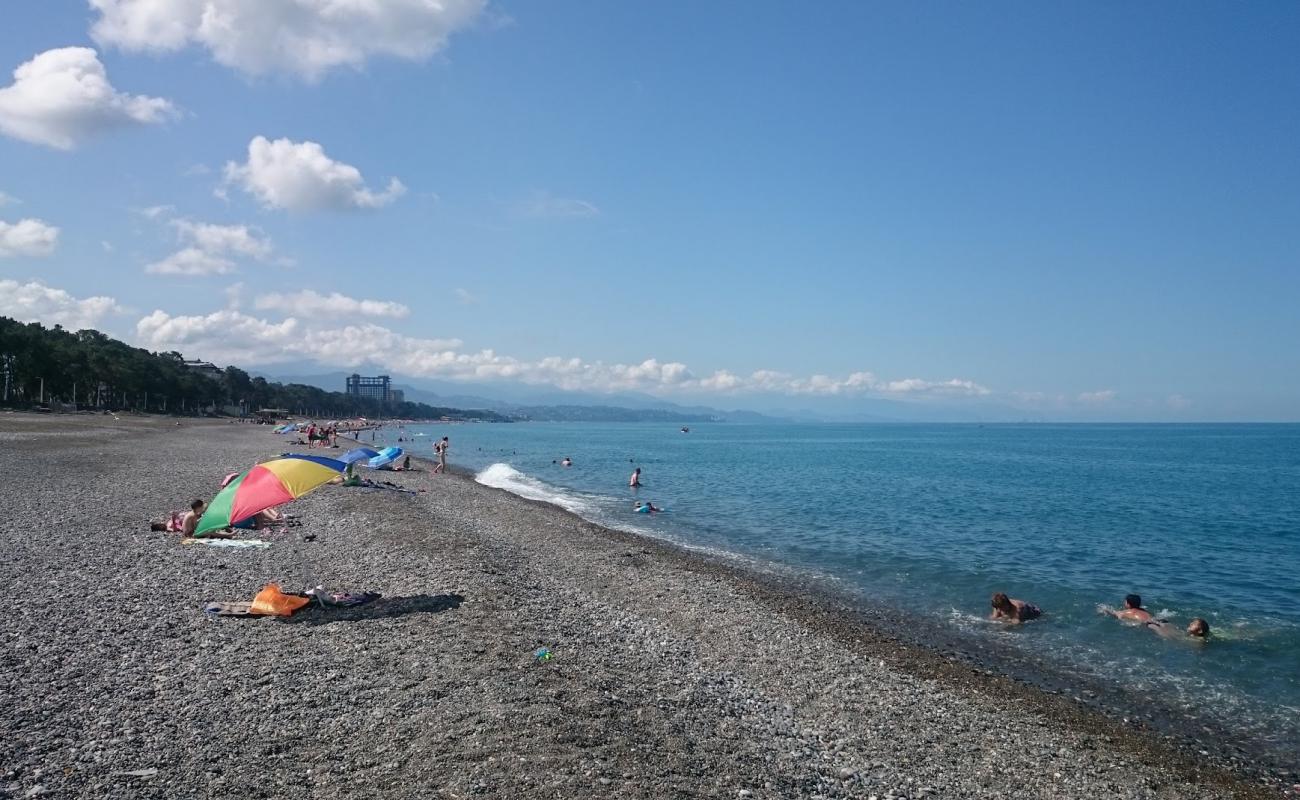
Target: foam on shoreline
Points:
(779, 690)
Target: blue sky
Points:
(1088, 212)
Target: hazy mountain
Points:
(548, 403)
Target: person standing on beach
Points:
(441, 449)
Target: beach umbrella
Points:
(267, 484)
(358, 454)
(385, 457)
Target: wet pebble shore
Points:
(670, 675)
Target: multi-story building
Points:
(376, 388)
(205, 368)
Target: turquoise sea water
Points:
(1199, 520)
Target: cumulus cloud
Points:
(191, 262)
(235, 239)
(62, 97)
(298, 176)
(211, 249)
(27, 237)
(306, 38)
(36, 302)
(7, 199)
(241, 338)
(308, 302)
(546, 205)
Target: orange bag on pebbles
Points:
(273, 602)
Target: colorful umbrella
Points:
(268, 484)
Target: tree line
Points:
(87, 369)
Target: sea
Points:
(927, 521)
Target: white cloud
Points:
(8, 200)
(211, 249)
(36, 302)
(233, 239)
(308, 302)
(27, 237)
(464, 297)
(156, 212)
(1099, 398)
(62, 97)
(545, 204)
(244, 339)
(298, 176)
(107, 245)
(1177, 402)
(191, 262)
(225, 335)
(302, 37)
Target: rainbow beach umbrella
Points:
(268, 484)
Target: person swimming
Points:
(1131, 612)
(1008, 609)
(567, 462)
(1198, 629)
(646, 507)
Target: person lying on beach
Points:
(1131, 612)
(1197, 630)
(191, 521)
(1008, 609)
(635, 480)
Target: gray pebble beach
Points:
(673, 674)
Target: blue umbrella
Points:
(358, 454)
(385, 457)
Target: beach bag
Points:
(273, 602)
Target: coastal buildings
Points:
(378, 388)
(205, 368)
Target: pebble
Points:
(111, 644)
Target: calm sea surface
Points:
(1199, 520)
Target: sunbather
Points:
(191, 521)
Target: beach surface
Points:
(672, 673)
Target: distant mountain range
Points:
(548, 404)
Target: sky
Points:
(1084, 211)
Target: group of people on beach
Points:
(1013, 611)
(322, 436)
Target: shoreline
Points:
(943, 656)
(676, 674)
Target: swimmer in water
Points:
(647, 507)
(1197, 630)
(635, 480)
(567, 462)
(1008, 609)
(1131, 612)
